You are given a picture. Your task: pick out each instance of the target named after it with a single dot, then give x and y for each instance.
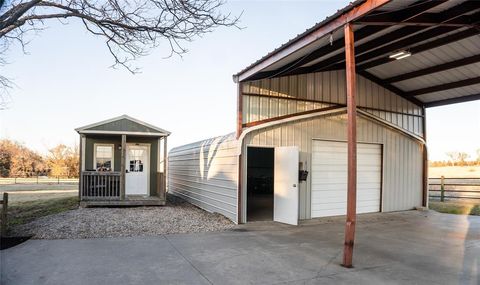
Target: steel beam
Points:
(434, 69)
(456, 100)
(445, 86)
(352, 147)
(324, 29)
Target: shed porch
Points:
(122, 163)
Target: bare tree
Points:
(458, 158)
(462, 158)
(130, 28)
(452, 155)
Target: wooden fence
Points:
(37, 180)
(443, 188)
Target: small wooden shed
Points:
(122, 163)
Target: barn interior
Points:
(260, 169)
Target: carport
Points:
(427, 52)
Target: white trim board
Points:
(123, 133)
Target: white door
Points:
(137, 166)
(285, 185)
(329, 178)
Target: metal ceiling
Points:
(443, 37)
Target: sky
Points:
(65, 81)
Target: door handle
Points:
(294, 185)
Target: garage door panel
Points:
(369, 193)
(330, 167)
(329, 178)
(372, 167)
(330, 206)
(365, 181)
(330, 201)
(333, 178)
(327, 160)
(328, 187)
(328, 213)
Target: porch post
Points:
(81, 166)
(164, 166)
(122, 167)
(352, 146)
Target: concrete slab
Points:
(396, 248)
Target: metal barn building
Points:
(337, 115)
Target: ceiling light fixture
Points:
(400, 54)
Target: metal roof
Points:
(442, 36)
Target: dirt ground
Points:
(177, 216)
(50, 211)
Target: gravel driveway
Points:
(177, 216)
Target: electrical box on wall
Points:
(302, 173)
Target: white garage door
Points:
(329, 178)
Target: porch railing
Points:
(100, 185)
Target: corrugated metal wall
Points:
(402, 179)
(298, 93)
(205, 173)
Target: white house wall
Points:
(205, 174)
(298, 93)
(402, 157)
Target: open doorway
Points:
(260, 169)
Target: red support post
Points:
(352, 146)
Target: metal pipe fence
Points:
(38, 180)
(450, 188)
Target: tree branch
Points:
(130, 28)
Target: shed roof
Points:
(442, 37)
(123, 125)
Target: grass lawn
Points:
(459, 208)
(27, 202)
(24, 212)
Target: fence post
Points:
(15, 180)
(58, 179)
(442, 188)
(3, 230)
(37, 178)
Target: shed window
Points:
(136, 163)
(104, 157)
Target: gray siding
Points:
(91, 140)
(402, 158)
(298, 93)
(123, 125)
(205, 173)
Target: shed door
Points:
(137, 166)
(285, 185)
(329, 178)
